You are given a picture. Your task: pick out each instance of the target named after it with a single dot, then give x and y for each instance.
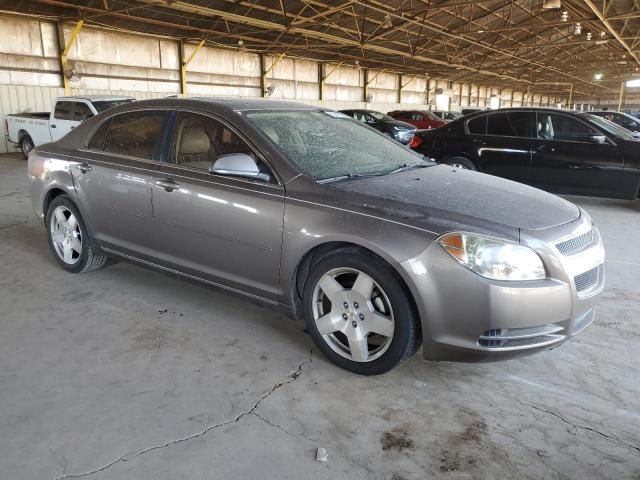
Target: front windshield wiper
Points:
(346, 176)
(409, 166)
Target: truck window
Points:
(81, 112)
(134, 134)
(97, 140)
(63, 111)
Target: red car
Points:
(423, 119)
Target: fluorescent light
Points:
(633, 83)
(597, 76)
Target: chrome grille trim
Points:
(576, 244)
(587, 280)
(517, 338)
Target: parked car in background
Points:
(557, 150)
(444, 115)
(469, 111)
(625, 120)
(373, 246)
(29, 130)
(422, 119)
(400, 131)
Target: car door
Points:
(567, 157)
(112, 176)
(505, 149)
(63, 120)
(227, 230)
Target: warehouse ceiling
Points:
(540, 45)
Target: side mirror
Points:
(597, 138)
(238, 165)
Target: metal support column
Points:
(65, 48)
(185, 63)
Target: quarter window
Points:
(509, 124)
(134, 134)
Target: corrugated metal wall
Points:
(116, 63)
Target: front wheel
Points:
(359, 313)
(26, 145)
(71, 243)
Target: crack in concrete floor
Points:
(130, 456)
(583, 427)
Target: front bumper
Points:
(466, 317)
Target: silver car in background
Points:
(377, 249)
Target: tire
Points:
(70, 241)
(461, 162)
(26, 145)
(371, 325)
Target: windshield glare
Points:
(380, 116)
(610, 127)
(325, 144)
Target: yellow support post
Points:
(64, 55)
(621, 95)
(266, 72)
(570, 96)
(185, 64)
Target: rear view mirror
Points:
(238, 165)
(597, 138)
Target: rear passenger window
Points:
(509, 124)
(63, 111)
(478, 126)
(134, 134)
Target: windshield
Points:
(610, 127)
(380, 116)
(103, 105)
(326, 145)
(431, 115)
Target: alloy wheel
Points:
(66, 235)
(353, 314)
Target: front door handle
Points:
(53, 126)
(84, 167)
(168, 184)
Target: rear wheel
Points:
(359, 313)
(26, 145)
(71, 243)
(461, 163)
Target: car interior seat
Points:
(194, 148)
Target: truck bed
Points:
(36, 115)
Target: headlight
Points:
(494, 258)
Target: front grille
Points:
(587, 280)
(575, 244)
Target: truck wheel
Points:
(461, 163)
(26, 145)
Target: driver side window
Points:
(199, 140)
(552, 126)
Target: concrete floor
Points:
(126, 373)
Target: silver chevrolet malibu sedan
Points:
(378, 249)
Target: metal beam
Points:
(64, 54)
(613, 32)
(184, 64)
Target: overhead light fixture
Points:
(602, 42)
(357, 62)
(481, 31)
(564, 16)
(597, 76)
(577, 30)
(588, 35)
(387, 21)
(634, 83)
(603, 34)
(549, 4)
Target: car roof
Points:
(96, 98)
(240, 104)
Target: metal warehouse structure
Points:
(386, 55)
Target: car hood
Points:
(417, 193)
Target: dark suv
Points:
(558, 150)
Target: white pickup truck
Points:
(29, 130)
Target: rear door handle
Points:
(84, 167)
(168, 184)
